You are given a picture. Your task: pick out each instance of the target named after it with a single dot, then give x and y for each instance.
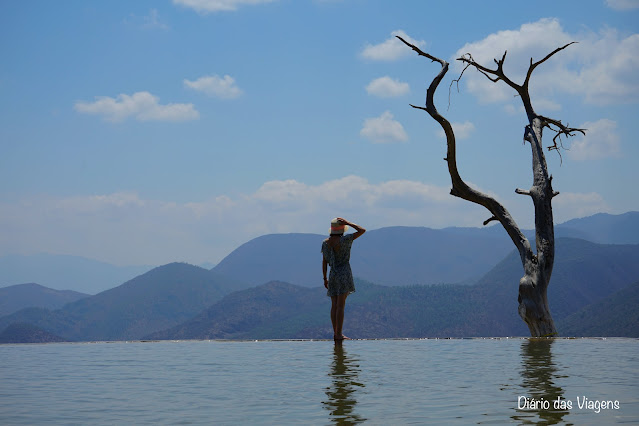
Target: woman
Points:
(336, 251)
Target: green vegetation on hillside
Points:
(616, 315)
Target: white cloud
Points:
(383, 129)
(214, 85)
(601, 141)
(570, 205)
(623, 4)
(142, 106)
(386, 87)
(124, 228)
(212, 6)
(391, 49)
(602, 68)
(151, 21)
(462, 130)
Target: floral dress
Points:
(340, 278)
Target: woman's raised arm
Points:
(358, 229)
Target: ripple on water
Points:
(278, 382)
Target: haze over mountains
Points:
(407, 255)
(16, 297)
(425, 256)
(160, 298)
(591, 283)
(62, 272)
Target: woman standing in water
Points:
(336, 251)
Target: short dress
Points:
(340, 278)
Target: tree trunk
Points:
(533, 304)
(533, 299)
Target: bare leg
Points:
(334, 314)
(339, 315)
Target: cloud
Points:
(386, 87)
(601, 141)
(213, 6)
(383, 129)
(214, 85)
(391, 49)
(152, 21)
(124, 228)
(570, 205)
(462, 130)
(601, 68)
(142, 106)
(623, 4)
(149, 22)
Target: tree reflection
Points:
(539, 374)
(341, 400)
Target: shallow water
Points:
(315, 382)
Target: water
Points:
(314, 382)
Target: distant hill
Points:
(406, 255)
(272, 310)
(284, 311)
(286, 257)
(616, 315)
(185, 301)
(420, 255)
(20, 296)
(389, 256)
(27, 333)
(63, 272)
(585, 274)
(158, 299)
(605, 228)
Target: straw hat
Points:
(337, 227)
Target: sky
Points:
(149, 132)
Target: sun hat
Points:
(337, 227)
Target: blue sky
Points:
(155, 131)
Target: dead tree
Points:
(533, 300)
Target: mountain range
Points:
(181, 301)
(420, 255)
(160, 298)
(407, 255)
(586, 274)
(20, 296)
(178, 300)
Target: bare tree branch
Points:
(538, 266)
(457, 80)
(536, 64)
(490, 219)
(420, 52)
(487, 72)
(560, 129)
(459, 187)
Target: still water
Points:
(463, 381)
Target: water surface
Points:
(435, 381)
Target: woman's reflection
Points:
(539, 374)
(341, 394)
